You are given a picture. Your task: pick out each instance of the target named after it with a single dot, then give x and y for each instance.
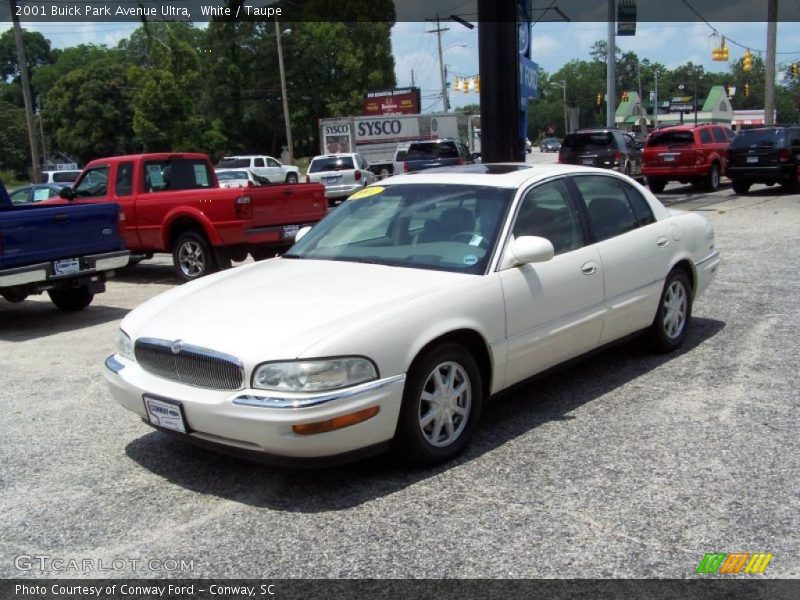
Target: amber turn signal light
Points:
(336, 423)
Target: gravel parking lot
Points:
(624, 464)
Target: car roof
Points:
(335, 155)
(505, 175)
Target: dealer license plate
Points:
(752, 160)
(165, 413)
(669, 158)
(331, 179)
(289, 231)
(66, 266)
(588, 161)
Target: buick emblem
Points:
(177, 346)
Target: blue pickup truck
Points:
(67, 251)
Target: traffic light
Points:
(746, 89)
(725, 53)
(477, 81)
(795, 69)
(716, 54)
(625, 96)
(747, 61)
(599, 100)
(720, 54)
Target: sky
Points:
(554, 44)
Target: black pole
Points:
(498, 59)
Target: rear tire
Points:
(674, 313)
(656, 185)
(291, 178)
(441, 407)
(71, 299)
(740, 186)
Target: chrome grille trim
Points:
(190, 365)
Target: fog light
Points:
(336, 423)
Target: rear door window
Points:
(609, 210)
(331, 163)
(124, 184)
(705, 136)
(432, 150)
(671, 138)
(176, 174)
(719, 135)
(589, 140)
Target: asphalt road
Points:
(622, 465)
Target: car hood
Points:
(278, 308)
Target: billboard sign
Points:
(402, 101)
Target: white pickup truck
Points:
(263, 166)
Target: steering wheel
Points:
(468, 236)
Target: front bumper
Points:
(258, 423)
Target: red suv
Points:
(687, 154)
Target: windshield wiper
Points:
(287, 255)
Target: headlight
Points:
(124, 345)
(314, 375)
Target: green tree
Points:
(37, 52)
(88, 111)
(13, 138)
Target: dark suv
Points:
(426, 154)
(764, 155)
(604, 148)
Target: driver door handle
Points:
(662, 242)
(589, 268)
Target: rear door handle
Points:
(589, 268)
(662, 242)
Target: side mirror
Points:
(67, 193)
(301, 232)
(528, 249)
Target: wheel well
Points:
(475, 344)
(181, 226)
(685, 266)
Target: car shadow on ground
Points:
(29, 319)
(557, 393)
(148, 272)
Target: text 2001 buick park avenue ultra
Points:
(393, 320)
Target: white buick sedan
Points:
(394, 320)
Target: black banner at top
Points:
(380, 10)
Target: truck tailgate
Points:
(290, 204)
(31, 233)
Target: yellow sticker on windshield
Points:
(367, 192)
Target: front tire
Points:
(674, 313)
(711, 182)
(442, 403)
(192, 256)
(71, 299)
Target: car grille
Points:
(192, 365)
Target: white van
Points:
(65, 178)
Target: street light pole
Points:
(563, 85)
(286, 117)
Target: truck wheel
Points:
(192, 256)
(740, 186)
(711, 182)
(71, 299)
(656, 184)
(291, 178)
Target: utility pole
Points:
(22, 63)
(286, 118)
(769, 83)
(611, 66)
(41, 128)
(438, 31)
(655, 108)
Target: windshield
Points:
(758, 137)
(671, 138)
(578, 141)
(331, 163)
(229, 175)
(233, 163)
(426, 226)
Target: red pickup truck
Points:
(173, 203)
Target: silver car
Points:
(341, 174)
